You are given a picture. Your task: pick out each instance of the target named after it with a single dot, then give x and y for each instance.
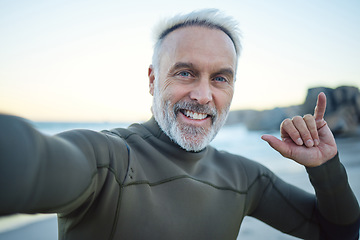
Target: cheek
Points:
(223, 99)
(173, 92)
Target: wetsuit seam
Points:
(125, 133)
(146, 136)
(257, 179)
(119, 181)
(113, 229)
(271, 181)
(129, 135)
(244, 209)
(120, 185)
(288, 202)
(167, 180)
(93, 174)
(297, 227)
(303, 222)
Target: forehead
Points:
(198, 42)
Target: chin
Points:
(191, 138)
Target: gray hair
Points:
(210, 18)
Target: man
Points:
(161, 179)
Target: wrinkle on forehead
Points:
(190, 35)
(192, 41)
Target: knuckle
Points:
(308, 117)
(297, 119)
(306, 135)
(286, 122)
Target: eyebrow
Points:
(226, 71)
(182, 65)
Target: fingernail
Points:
(316, 142)
(309, 143)
(299, 141)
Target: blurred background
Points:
(87, 60)
(83, 64)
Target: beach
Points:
(41, 227)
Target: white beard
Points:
(188, 137)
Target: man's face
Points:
(194, 86)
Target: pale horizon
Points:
(87, 61)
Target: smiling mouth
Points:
(194, 115)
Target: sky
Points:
(85, 60)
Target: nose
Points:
(201, 92)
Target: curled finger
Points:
(312, 127)
(304, 132)
(288, 130)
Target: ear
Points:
(151, 76)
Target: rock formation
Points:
(342, 112)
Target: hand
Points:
(307, 140)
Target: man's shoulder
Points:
(228, 156)
(135, 129)
(100, 142)
(239, 162)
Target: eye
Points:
(220, 79)
(184, 74)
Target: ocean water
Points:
(52, 128)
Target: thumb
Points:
(276, 144)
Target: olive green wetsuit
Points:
(136, 183)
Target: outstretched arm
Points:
(39, 173)
(307, 140)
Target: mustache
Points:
(195, 107)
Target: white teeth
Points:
(197, 116)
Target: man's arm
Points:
(308, 140)
(40, 173)
(337, 209)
